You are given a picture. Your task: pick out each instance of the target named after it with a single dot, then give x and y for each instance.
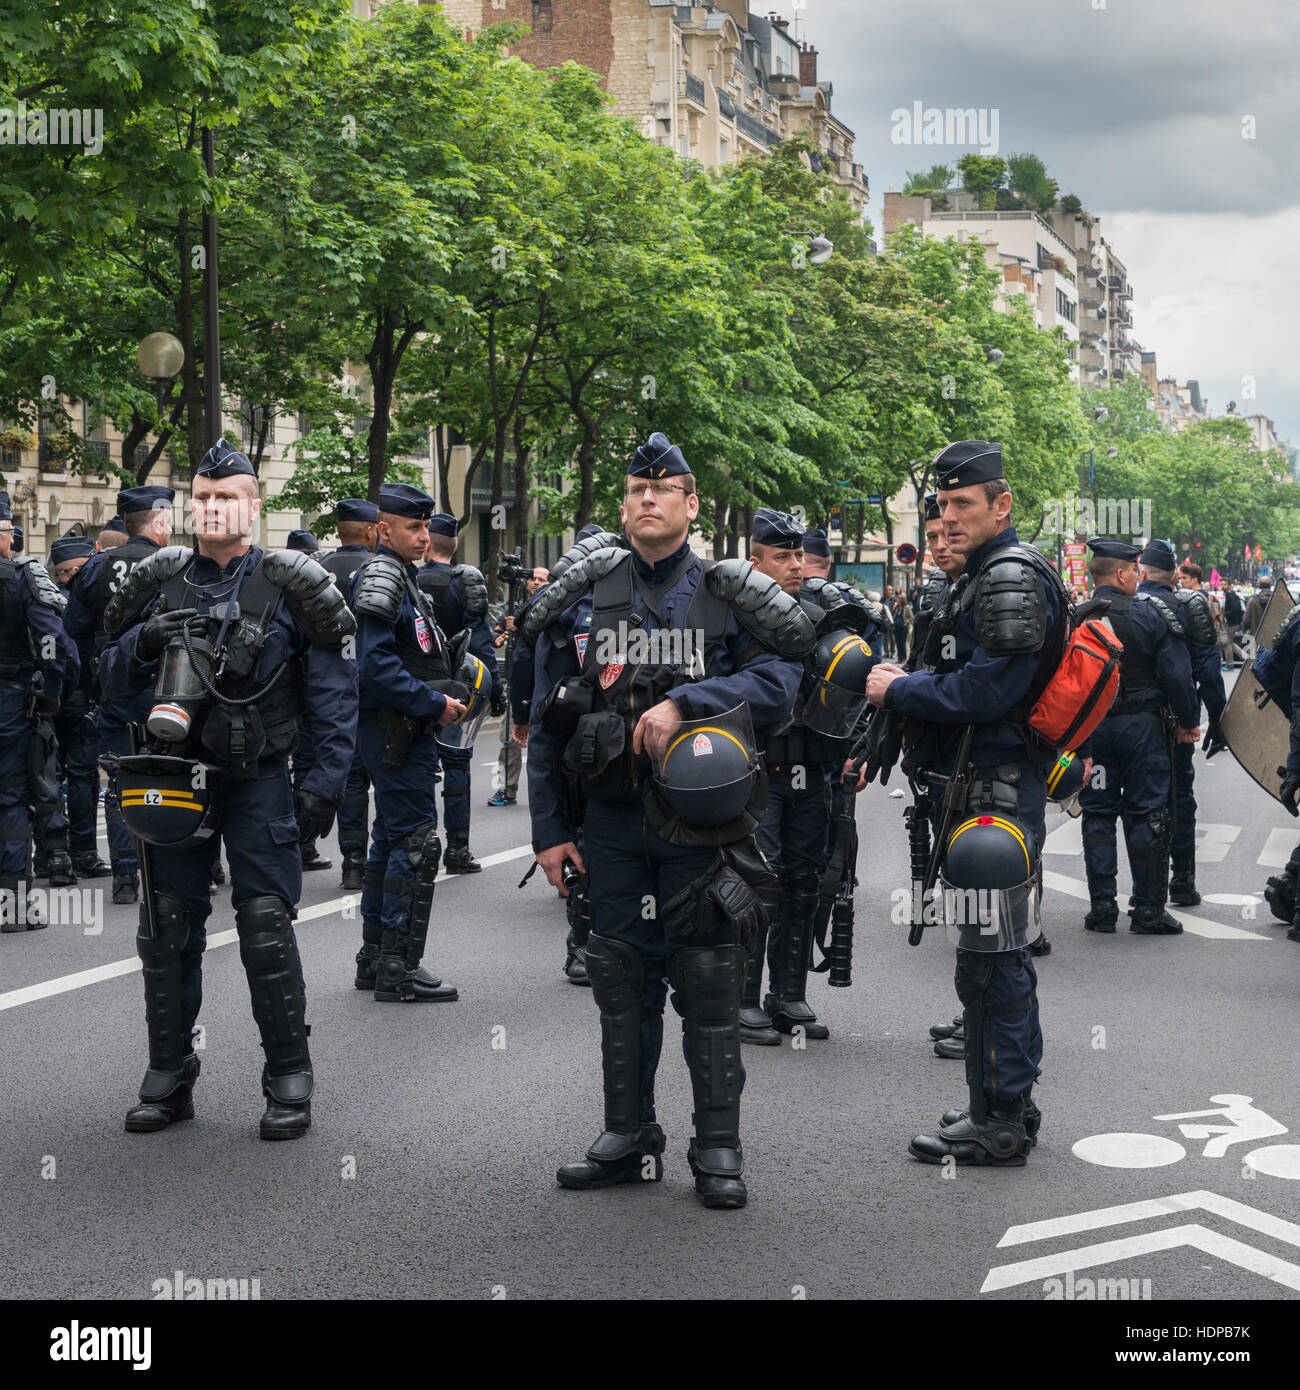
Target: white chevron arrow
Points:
(1170, 1238)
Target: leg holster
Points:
(279, 997)
(617, 977)
(708, 981)
(160, 957)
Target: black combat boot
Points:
(755, 1026)
(575, 960)
(946, 1030)
(998, 1139)
(14, 915)
(1294, 933)
(1280, 894)
(459, 860)
(709, 981)
(1033, 1118)
(218, 874)
(88, 864)
(312, 857)
(126, 888)
(1102, 915)
(953, 1047)
(629, 1148)
(392, 985)
(40, 862)
(427, 986)
(1182, 885)
(61, 873)
(166, 1092)
(786, 1005)
(1153, 921)
(354, 868)
(1041, 947)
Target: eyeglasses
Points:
(658, 489)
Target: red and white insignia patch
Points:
(580, 641)
(610, 674)
(701, 745)
(422, 634)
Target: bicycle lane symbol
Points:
(1240, 1121)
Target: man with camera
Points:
(678, 663)
(514, 730)
(460, 603)
(233, 639)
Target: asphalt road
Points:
(429, 1170)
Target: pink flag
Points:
(1215, 580)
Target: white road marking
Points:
(1214, 841)
(1231, 899)
(45, 989)
(1277, 848)
(1129, 1150)
(1067, 838)
(1276, 1161)
(1197, 926)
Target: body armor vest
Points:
(235, 676)
(439, 581)
(1137, 671)
(431, 666)
(15, 642)
(344, 566)
(114, 570)
(795, 745)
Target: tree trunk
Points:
(387, 349)
(191, 383)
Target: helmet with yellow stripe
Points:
(706, 768)
(164, 800)
(835, 694)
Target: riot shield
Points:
(1257, 731)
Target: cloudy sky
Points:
(1139, 108)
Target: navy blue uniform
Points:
(456, 761)
(258, 821)
(405, 802)
(630, 864)
(991, 691)
(91, 587)
(1131, 751)
(31, 641)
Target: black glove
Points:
(315, 816)
(1290, 786)
(498, 705)
(159, 630)
(1214, 742)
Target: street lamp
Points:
(1100, 413)
(994, 355)
(820, 250)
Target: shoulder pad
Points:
(473, 591)
(824, 601)
(1169, 614)
(931, 594)
(44, 589)
(1010, 606)
(564, 592)
(314, 598)
(380, 589)
(1288, 627)
(763, 607)
(603, 540)
(142, 584)
(1195, 605)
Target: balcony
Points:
(693, 89)
(756, 131)
(725, 103)
(11, 458)
(99, 448)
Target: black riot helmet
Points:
(989, 881)
(836, 693)
(706, 768)
(1065, 777)
(164, 800)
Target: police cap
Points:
(401, 499)
(443, 524)
(357, 509)
(70, 548)
(1159, 555)
(223, 460)
(815, 543)
(966, 462)
(143, 499)
(1107, 548)
(658, 458)
(776, 529)
(932, 506)
(302, 540)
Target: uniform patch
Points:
(610, 673)
(701, 745)
(422, 634)
(580, 641)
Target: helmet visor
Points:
(462, 732)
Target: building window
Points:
(541, 16)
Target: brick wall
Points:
(577, 30)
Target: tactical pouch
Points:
(399, 735)
(234, 733)
(566, 702)
(597, 753)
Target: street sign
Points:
(906, 553)
(876, 499)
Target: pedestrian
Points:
(223, 753)
(888, 634)
(1132, 749)
(999, 639)
(409, 690)
(670, 854)
(902, 622)
(1255, 609)
(1233, 617)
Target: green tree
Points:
(1028, 179)
(982, 175)
(936, 179)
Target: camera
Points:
(512, 570)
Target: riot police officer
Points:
(146, 521)
(670, 895)
(460, 601)
(1159, 570)
(358, 535)
(232, 638)
(33, 660)
(305, 543)
(1131, 764)
(406, 668)
(1006, 617)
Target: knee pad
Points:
(709, 980)
(801, 879)
(424, 850)
(266, 944)
(171, 928)
(616, 972)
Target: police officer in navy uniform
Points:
(1131, 772)
(1006, 617)
(358, 525)
(1159, 570)
(277, 626)
(406, 675)
(145, 516)
(460, 600)
(658, 882)
(33, 661)
(305, 543)
(76, 728)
